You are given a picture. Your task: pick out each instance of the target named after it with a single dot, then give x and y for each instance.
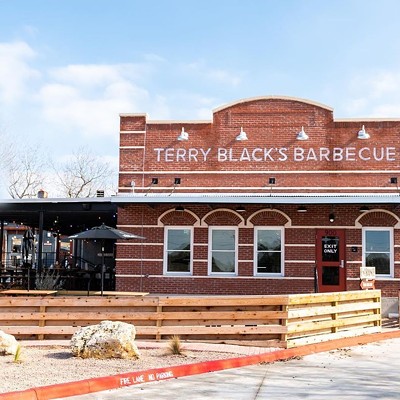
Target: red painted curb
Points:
(28, 394)
(133, 378)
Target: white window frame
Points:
(222, 228)
(255, 254)
(165, 263)
(391, 251)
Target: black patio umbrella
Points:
(104, 232)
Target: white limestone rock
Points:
(109, 339)
(8, 344)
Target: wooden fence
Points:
(274, 321)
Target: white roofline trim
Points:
(172, 122)
(367, 120)
(133, 115)
(231, 198)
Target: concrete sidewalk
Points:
(369, 371)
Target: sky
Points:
(68, 68)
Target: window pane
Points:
(178, 250)
(380, 261)
(223, 261)
(178, 239)
(269, 240)
(330, 276)
(269, 262)
(377, 241)
(223, 239)
(178, 261)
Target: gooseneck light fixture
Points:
(242, 135)
(302, 135)
(177, 181)
(332, 216)
(362, 134)
(183, 135)
(154, 181)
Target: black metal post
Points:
(40, 243)
(102, 267)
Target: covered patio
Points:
(58, 218)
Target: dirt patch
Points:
(47, 365)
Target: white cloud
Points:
(387, 110)
(89, 98)
(375, 94)
(221, 76)
(79, 101)
(92, 75)
(15, 72)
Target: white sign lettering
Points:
(275, 154)
(330, 248)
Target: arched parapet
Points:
(269, 98)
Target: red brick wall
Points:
(143, 260)
(271, 124)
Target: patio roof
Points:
(65, 215)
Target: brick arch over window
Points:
(270, 218)
(223, 217)
(172, 217)
(378, 218)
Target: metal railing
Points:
(76, 273)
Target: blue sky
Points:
(69, 67)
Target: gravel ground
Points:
(47, 365)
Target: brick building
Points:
(271, 196)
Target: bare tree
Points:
(6, 156)
(24, 171)
(83, 174)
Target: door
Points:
(330, 259)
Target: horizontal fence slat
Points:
(288, 319)
(334, 323)
(334, 296)
(209, 330)
(324, 310)
(146, 316)
(223, 301)
(40, 330)
(77, 301)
